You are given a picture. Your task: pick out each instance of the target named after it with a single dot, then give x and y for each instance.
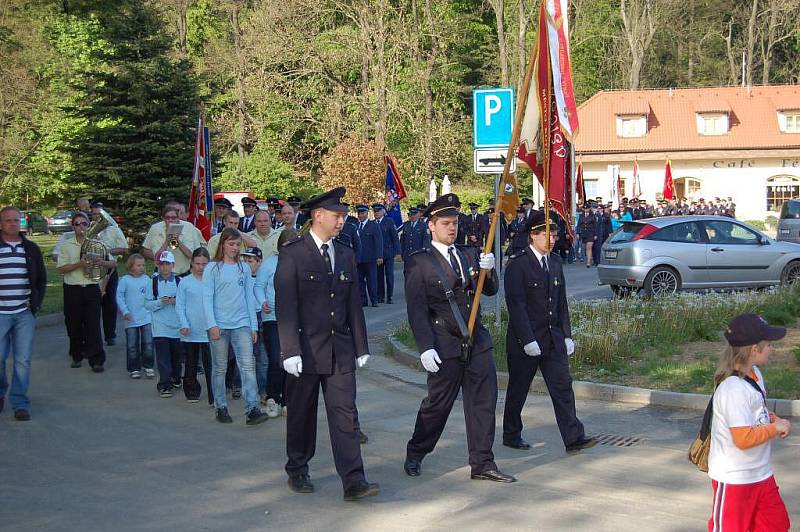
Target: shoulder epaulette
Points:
(295, 240)
(517, 255)
(421, 250)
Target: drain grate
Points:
(617, 440)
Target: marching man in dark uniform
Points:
(323, 338)
(440, 282)
(473, 227)
(414, 234)
(370, 249)
(539, 337)
(391, 248)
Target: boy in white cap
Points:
(166, 324)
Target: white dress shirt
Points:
(318, 241)
(443, 249)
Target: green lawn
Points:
(670, 343)
(54, 296)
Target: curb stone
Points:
(608, 392)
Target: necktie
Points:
(326, 258)
(454, 263)
(544, 267)
(360, 227)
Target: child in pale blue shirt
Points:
(189, 305)
(166, 338)
(132, 293)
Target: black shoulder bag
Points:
(466, 338)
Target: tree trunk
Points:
(241, 109)
(382, 112)
(499, 15)
(766, 50)
(751, 41)
(734, 71)
(183, 7)
(521, 44)
(639, 22)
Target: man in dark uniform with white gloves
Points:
(539, 337)
(323, 338)
(440, 283)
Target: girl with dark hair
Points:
(231, 320)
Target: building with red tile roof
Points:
(739, 142)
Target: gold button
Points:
(331, 295)
(331, 313)
(311, 277)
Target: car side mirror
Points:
(762, 240)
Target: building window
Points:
(789, 122)
(712, 124)
(687, 187)
(781, 189)
(591, 188)
(631, 126)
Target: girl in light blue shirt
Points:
(189, 306)
(131, 296)
(231, 321)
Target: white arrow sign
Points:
(492, 161)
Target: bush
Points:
(778, 316)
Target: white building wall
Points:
(743, 179)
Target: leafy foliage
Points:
(357, 165)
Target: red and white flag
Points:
(637, 186)
(551, 119)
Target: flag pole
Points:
(522, 99)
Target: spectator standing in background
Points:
(22, 288)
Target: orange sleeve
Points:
(748, 437)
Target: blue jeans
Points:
(16, 336)
(169, 353)
(139, 342)
(242, 341)
(260, 354)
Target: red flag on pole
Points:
(669, 186)
(551, 117)
(620, 190)
(198, 210)
(579, 188)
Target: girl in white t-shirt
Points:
(746, 497)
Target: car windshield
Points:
(790, 209)
(626, 232)
(62, 214)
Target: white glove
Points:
(293, 365)
(487, 261)
(532, 349)
(430, 360)
(570, 345)
(362, 361)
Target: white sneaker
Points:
(283, 411)
(273, 410)
(149, 373)
(136, 374)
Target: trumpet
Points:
(173, 243)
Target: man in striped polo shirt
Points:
(23, 280)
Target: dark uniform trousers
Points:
(386, 280)
(82, 309)
(339, 391)
(537, 310)
(109, 303)
(368, 281)
(479, 382)
(555, 370)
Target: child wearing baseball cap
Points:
(166, 325)
(746, 496)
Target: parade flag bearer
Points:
(440, 282)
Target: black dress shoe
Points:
(413, 467)
(374, 304)
(76, 364)
(111, 341)
(519, 443)
(98, 368)
(582, 443)
(363, 438)
(360, 490)
(493, 475)
(388, 301)
(301, 484)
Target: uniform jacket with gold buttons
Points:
(319, 314)
(429, 313)
(537, 305)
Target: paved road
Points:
(106, 453)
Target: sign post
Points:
(492, 121)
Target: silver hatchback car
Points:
(664, 255)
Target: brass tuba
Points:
(92, 246)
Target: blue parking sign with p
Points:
(492, 117)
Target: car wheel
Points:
(791, 272)
(662, 281)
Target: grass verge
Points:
(668, 343)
